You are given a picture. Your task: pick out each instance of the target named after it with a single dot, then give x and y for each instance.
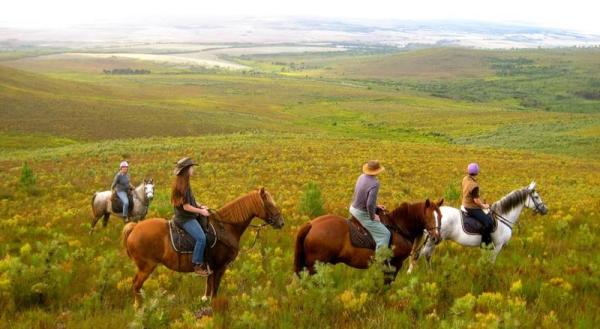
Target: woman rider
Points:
(473, 204)
(186, 210)
(364, 203)
(121, 184)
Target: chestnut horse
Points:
(148, 243)
(326, 238)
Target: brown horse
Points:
(148, 242)
(326, 238)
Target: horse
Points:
(148, 243)
(507, 211)
(102, 205)
(326, 238)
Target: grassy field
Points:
(293, 119)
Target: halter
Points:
(537, 205)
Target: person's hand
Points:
(485, 206)
(376, 218)
(204, 207)
(204, 212)
(380, 206)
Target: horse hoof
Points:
(204, 298)
(205, 311)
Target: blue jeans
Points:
(123, 196)
(380, 233)
(195, 230)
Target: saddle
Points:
(184, 243)
(117, 204)
(359, 236)
(472, 226)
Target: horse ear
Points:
(262, 190)
(440, 202)
(532, 186)
(427, 203)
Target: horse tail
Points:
(299, 257)
(94, 199)
(126, 231)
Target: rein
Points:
(502, 219)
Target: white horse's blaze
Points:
(509, 207)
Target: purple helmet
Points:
(124, 164)
(473, 168)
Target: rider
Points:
(364, 203)
(121, 184)
(473, 204)
(187, 210)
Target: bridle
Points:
(270, 220)
(510, 224)
(537, 205)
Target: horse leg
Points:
(496, 251)
(389, 277)
(208, 291)
(414, 254)
(427, 251)
(141, 276)
(105, 219)
(94, 221)
(218, 275)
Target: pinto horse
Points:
(326, 238)
(148, 243)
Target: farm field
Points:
(284, 121)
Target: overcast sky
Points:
(577, 15)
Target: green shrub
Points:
(311, 203)
(27, 179)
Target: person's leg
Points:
(380, 233)
(125, 201)
(194, 229)
(484, 219)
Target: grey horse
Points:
(102, 206)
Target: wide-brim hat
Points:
(373, 167)
(182, 164)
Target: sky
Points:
(576, 15)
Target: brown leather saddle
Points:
(360, 237)
(184, 243)
(472, 226)
(117, 204)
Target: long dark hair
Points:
(180, 186)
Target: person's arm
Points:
(201, 211)
(372, 202)
(114, 183)
(477, 200)
(189, 205)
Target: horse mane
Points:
(236, 211)
(406, 213)
(510, 201)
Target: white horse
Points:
(102, 205)
(506, 211)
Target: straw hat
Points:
(372, 168)
(182, 164)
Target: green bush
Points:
(27, 179)
(311, 203)
(451, 193)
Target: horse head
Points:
(534, 200)
(432, 217)
(149, 189)
(270, 213)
